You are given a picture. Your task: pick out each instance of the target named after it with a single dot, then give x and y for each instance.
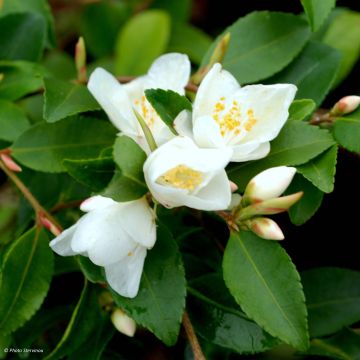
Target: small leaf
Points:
(160, 302)
(92, 272)
(317, 11)
(265, 283)
(297, 143)
(63, 99)
(218, 319)
(261, 44)
(44, 146)
(13, 121)
(168, 104)
(300, 109)
(25, 279)
(320, 171)
(333, 299)
(143, 38)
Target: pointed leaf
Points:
(300, 109)
(265, 283)
(317, 11)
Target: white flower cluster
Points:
(228, 123)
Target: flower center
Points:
(146, 111)
(181, 177)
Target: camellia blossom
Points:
(180, 173)
(169, 72)
(110, 235)
(243, 119)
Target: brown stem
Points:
(68, 205)
(194, 342)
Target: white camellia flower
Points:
(110, 235)
(180, 173)
(244, 119)
(169, 72)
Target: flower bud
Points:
(265, 228)
(49, 225)
(269, 184)
(123, 323)
(10, 163)
(1, 74)
(346, 105)
(80, 60)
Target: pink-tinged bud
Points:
(10, 163)
(265, 228)
(346, 105)
(233, 186)
(49, 225)
(269, 184)
(123, 323)
(2, 74)
(80, 60)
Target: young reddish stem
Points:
(194, 342)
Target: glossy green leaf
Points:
(20, 78)
(5, 342)
(297, 143)
(320, 171)
(13, 121)
(333, 299)
(128, 182)
(91, 271)
(346, 131)
(168, 104)
(265, 283)
(61, 65)
(63, 99)
(25, 279)
(22, 36)
(33, 107)
(141, 41)
(160, 302)
(300, 109)
(94, 173)
(261, 44)
(317, 11)
(313, 72)
(342, 346)
(310, 202)
(44, 146)
(218, 319)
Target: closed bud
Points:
(80, 60)
(123, 323)
(265, 228)
(346, 105)
(2, 74)
(269, 184)
(10, 163)
(49, 225)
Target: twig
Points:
(68, 205)
(194, 342)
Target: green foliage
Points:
(26, 273)
(265, 283)
(317, 11)
(92, 272)
(141, 41)
(178, 10)
(301, 109)
(160, 302)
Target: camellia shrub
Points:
(144, 165)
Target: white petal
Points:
(250, 151)
(207, 133)
(112, 97)
(216, 84)
(183, 124)
(124, 276)
(62, 243)
(169, 72)
(96, 202)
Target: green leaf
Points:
(178, 10)
(189, 40)
(61, 65)
(343, 346)
(84, 320)
(63, 99)
(168, 104)
(92, 272)
(218, 319)
(297, 143)
(343, 34)
(94, 173)
(128, 182)
(310, 202)
(160, 302)
(261, 44)
(317, 11)
(313, 72)
(22, 36)
(265, 283)
(13, 121)
(5, 342)
(333, 299)
(25, 279)
(301, 109)
(320, 171)
(20, 78)
(346, 131)
(44, 146)
(141, 41)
